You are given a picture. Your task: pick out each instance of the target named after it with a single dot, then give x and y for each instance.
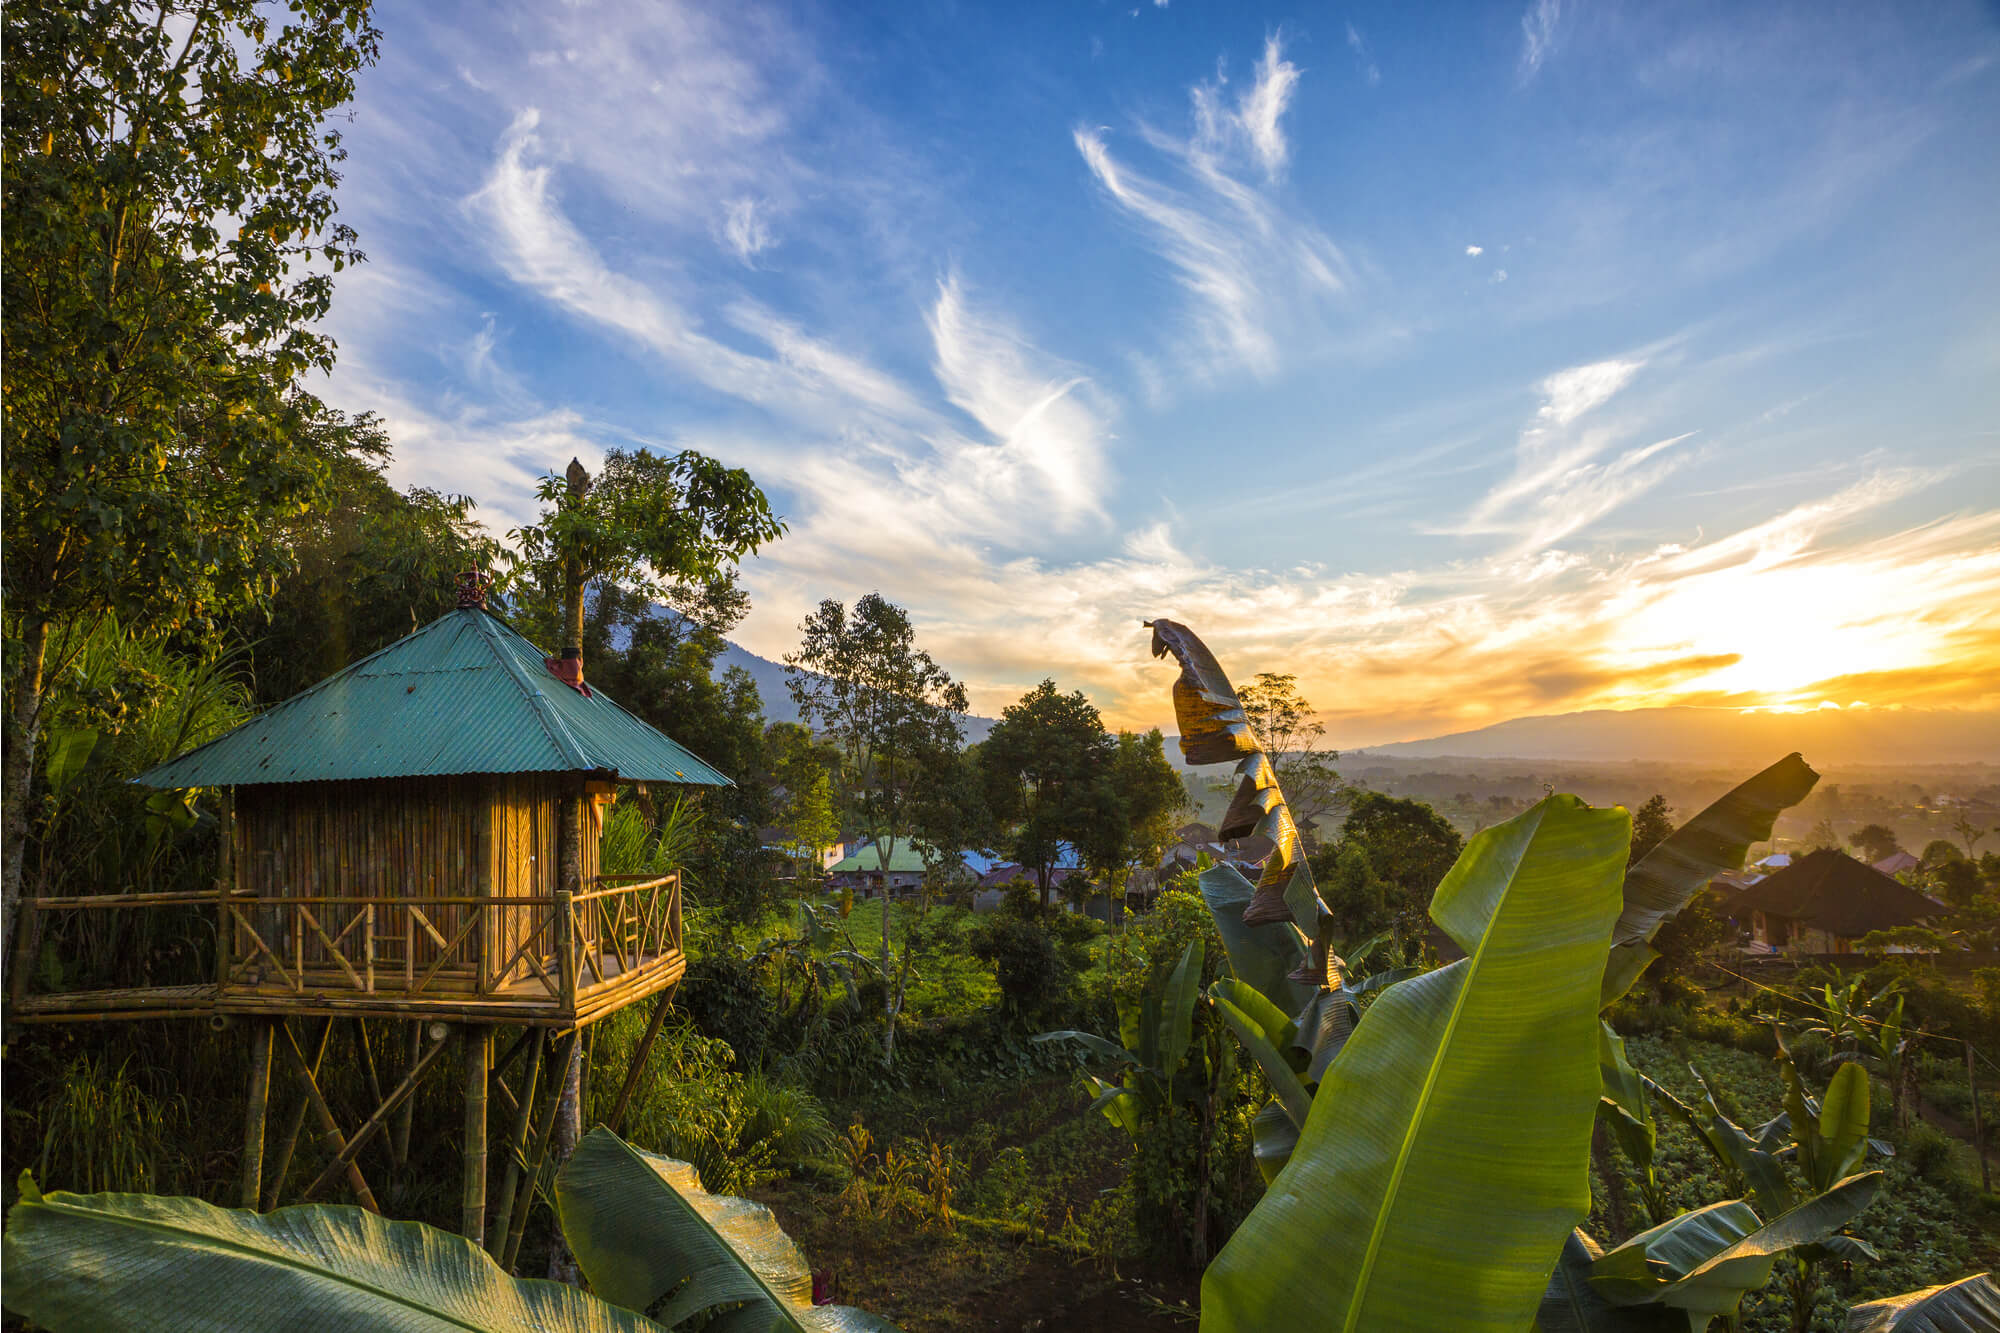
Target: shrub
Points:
(1926, 1152)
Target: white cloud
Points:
(745, 230)
(1538, 35)
(1253, 116)
(1475, 250)
(1499, 275)
(1364, 57)
(1259, 277)
(1561, 482)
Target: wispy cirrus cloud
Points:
(1363, 56)
(1538, 35)
(1561, 483)
(1258, 275)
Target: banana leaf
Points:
(1265, 1033)
(1572, 1305)
(1446, 1154)
(1177, 1001)
(1273, 1136)
(1215, 729)
(1704, 1262)
(1969, 1305)
(648, 1236)
(1117, 1102)
(1264, 956)
(1717, 839)
(106, 1263)
(1832, 1135)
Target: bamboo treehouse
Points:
(413, 843)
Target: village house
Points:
(1824, 902)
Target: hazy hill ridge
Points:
(1718, 735)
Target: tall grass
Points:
(101, 1131)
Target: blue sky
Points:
(1467, 361)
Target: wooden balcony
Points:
(558, 961)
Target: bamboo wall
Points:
(469, 837)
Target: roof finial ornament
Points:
(472, 586)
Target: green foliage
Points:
(1392, 853)
(1048, 766)
(102, 1131)
(650, 1237)
(368, 565)
(1467, 1092)
(119, 1262)
(1036, 956)
(738, 1128)
(1652, 824)
(1875, 842)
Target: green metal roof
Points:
(869, 860)
(464, 694)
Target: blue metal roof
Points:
(464, 694)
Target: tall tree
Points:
(1148, 798)
(369, 564)
(894, 713)
(1876, 842)
(168, 172)
(666, 530)
(1291, 734)
(1043, 761)
(1652, 822)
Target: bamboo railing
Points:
(546, 951)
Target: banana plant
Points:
(650, 1238)
(661, 1253)
(1624, 1109)
(1156, 1034)
(1467, 1093)
(1704, 1262)
(1969, 1305)
(1866, 1026)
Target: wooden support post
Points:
(368, 1060)
(638, 1067)
(283, 1164)
(517, 1145)
(566, 961)
(255, 1106)
(375, 1123)
(399, 1133)
(225, 884)
(27, 946)
(1978, 1130)
(478, 1061)
(544, 1131)
(330, 1136)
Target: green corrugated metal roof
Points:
(869, 860)
(464, 694)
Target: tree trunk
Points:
(572, 646)
(568, 1127)
(17, 775)
(885, 851)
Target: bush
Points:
(1926, 1152)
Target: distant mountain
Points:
(770, 678)
(1714, 735)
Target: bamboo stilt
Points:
(330, 1136)
(399, 1133)
(544, 1131)
(478, 1060)
(255, 1107)
(375, 1122)
(283, 1164)
(645, 1049)
(517, 1144)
